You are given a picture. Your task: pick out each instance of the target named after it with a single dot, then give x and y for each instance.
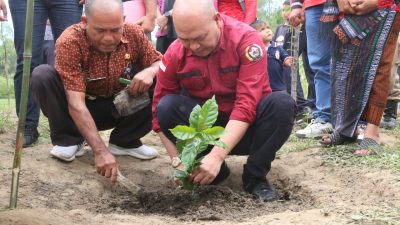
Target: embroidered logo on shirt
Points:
(254, 52)
(163, 64)
(277, 55)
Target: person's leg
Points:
(380, 89)
(319, 57)
(18, 13)
(49, 92)
(48, 52)
(174, 110)
(62, 14)
(273, 125)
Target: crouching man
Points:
(223, 57)
(78, 95)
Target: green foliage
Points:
(7, 52)
(194, 139)
(270, 11)
(4, 90)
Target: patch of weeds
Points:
(5, 120)
(295, 144)
(377, 217)
(387, 158)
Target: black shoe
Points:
(31, 136)
(259, 188)
(390, 115)
(222, 175)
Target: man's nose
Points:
(194, 46)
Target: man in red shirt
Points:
(77, 96)
(223, 57)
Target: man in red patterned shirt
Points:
(77, 96)
(223, 57)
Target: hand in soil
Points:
(207, 171)
(107, 166)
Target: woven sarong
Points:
(357, 52)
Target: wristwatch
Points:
(175, 161)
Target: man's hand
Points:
(147, 23)
(362, 7)
(346, 6)
(162, 22)
(141, 82)
(296, 17)
(3, 9)
(106, 165)
(81, 2)
(288, 61)
(208, 170)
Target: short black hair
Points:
(257, 23)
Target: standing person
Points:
(319, 56)
(361, 66)
(243, 10)
(223, 57)
(48, 46)
(81, 95)
(166, 33)
(61, 13)
(141, 12)
(389, 120)
(282, 37)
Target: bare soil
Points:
(310, 191)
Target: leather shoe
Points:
(259, 188)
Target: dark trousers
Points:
(274, 122)
(163, 42)
(49, 92)
(61, 13)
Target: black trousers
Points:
(49, 92)
(274, 122)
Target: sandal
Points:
(336, 139)
(367, 146)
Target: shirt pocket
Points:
(192, 80)
(228, 75)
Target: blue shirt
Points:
(276, 57)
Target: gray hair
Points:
(91, 4)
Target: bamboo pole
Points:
(23, 104)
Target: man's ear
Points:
(84, 21)
(217, 18)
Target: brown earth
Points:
(310, 191)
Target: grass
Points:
(342, 155)
(388, 217)
(6, 115)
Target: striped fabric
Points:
(355, 60)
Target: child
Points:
(277, 56)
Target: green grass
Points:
(378, 217)
(6, 112)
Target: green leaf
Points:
(194, 117)
(208, 114)
(180, 174)
(219, 144)
(180, 144)
(183, 132)
(189, 153)
(213, 133)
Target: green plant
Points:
(195, 138)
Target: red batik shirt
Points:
(82, 68)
